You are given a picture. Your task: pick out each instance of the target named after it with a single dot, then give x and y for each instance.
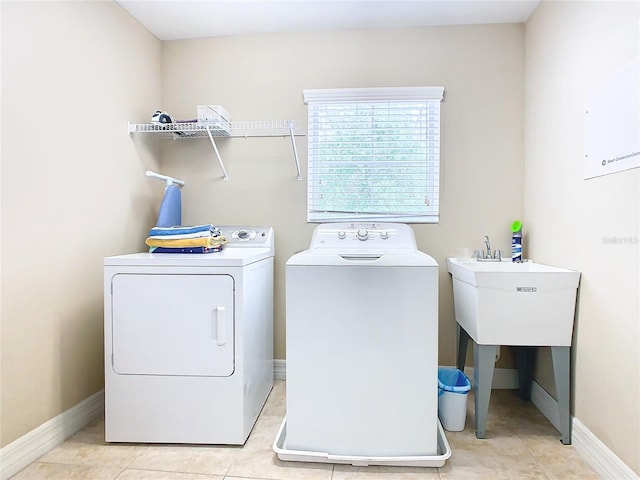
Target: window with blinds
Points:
(374, 154)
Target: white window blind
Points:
(374, 154)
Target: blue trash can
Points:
(453, 390)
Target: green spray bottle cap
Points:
(516, 226)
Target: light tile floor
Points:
(521, 444)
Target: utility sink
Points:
(506, 303)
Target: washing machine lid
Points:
(362, 258)
(228, 257)
(363, 244)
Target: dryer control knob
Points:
(341, 235)
(384, 235)
(362, 234)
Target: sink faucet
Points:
(486, 256)
(487, 244)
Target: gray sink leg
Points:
(463, 341)
(561, 372)
(484, 357)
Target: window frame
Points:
(432, 95)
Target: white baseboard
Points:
(595, 453)
(279, 369)
(598, 455)
(31, 446)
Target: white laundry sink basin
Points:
(505, 303)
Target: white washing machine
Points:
(189, 342)
(362, 344)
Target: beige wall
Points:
(262, 77)
(570, 47)
(73, 191)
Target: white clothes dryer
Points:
(362, 344)
(189, 342)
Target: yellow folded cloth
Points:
(187, 242)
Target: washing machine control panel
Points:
(359, 235)
(245, 236)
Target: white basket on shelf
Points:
(214, 116)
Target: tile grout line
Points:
(535, 458)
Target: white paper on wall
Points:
(612, 124)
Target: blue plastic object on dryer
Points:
(170, 214)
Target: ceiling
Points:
(186, 19)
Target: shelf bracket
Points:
(215, 149)
(295, 150)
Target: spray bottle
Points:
(516, 241)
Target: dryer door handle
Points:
(218, 322)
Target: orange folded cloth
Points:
(209, 242)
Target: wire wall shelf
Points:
(259, 128)
(223, 129)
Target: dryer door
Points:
(173, 324)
